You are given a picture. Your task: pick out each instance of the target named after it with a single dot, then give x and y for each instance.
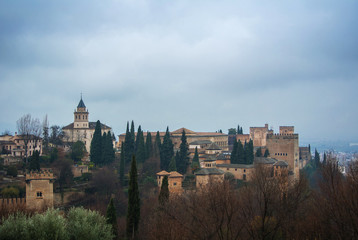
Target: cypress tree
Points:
(133, 136)
(249, 152)
(111, 218)
(104, 157)
(164, 192)
(317, 160)
(148, 146)
(133, 212)
(138, 138)
(234, 154)
(166, 151)
(140, 153)
(128, 145)
(121, 166)
(157, 145)
(324, 159)
(258, 152)
(172, 165)
(240, 153)
(267, 153)
(96, 144)
(183, 160)
(35, 161)
(110, 149)
(195, 164)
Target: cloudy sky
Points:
(205, 65)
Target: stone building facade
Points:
(14, 146)
(82, 129)
(220, 139)
(175, 181)
(39, 189)
(285, 147)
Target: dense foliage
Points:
(77, 224)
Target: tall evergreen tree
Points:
(96, 144)
(324, 159)
(133, 212)
(110, 154)
(148, 146)
(166, 151)
(183, 160)
(234, 154)
(104, 149)
(195, 164)
(157, 145)
(172, 165)
(121, 166)
(138, 138)
(249, 152)
(317, 160)
(164, 192)
(140, 153)
(267, 153)
(133, 136)
(111, 218)
(45, 133)
(128, 145)
(258, 152)
(239, 129)
(35, 161)
(240, 153)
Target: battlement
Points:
(43, 174)
(282, 136)
(14, 202)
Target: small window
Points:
(235, 169)
(39, 194)
(244, 170)
(175, 184)
(227, 169)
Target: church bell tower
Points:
(81, 116)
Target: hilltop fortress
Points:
(284, 154)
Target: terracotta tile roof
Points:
(163, 173)
(92, 125)
(281, 163)
(213, 146)
(175, 174)
(180, 131)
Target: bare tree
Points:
(29, 128)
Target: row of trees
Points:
(134, 144)
(234, 131)
(242, 154)
(102, 151)
(266, 208)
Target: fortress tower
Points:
(285, 147)
(39, 189)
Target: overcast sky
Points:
(204, 65)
